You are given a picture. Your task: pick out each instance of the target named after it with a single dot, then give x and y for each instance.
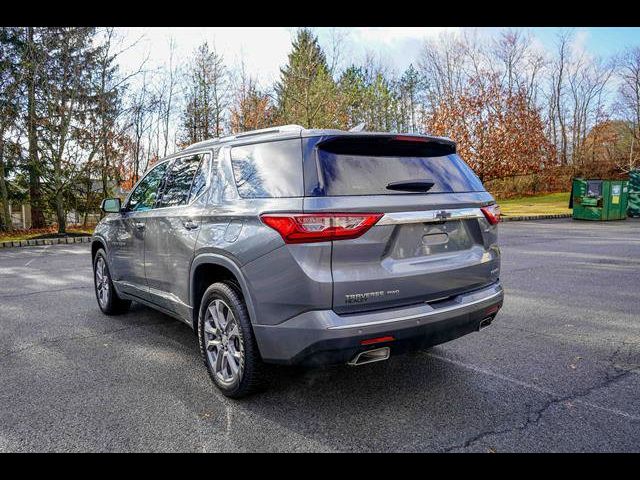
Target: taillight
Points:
(320, 227)
(492, 212)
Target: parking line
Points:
(530, 386)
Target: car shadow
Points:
(407, 403)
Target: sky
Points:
(264, 49)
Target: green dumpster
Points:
(595, 199)
(634, 194)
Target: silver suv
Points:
(312, 247)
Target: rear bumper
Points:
(323, 337)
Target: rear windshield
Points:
(355, 168)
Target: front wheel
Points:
(227, 344)
(108, 300)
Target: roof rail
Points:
(262, 131)
(203, 142)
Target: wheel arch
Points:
(97, 244)
(208, 268)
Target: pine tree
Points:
(65, 102)
(368, 96)
(306, 93)
(352, 87)
(10, 103)
(32, 59)
(409, 86)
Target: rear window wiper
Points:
(411, 185)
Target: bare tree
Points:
(206, 96)
(628, 68)
(251, 108)
(168, 96)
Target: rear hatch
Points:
(433, 240)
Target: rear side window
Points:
(367, 166)
(200, 178)
(177, 184)
(268, 170)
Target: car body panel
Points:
(125, 251)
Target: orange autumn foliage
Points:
(499, 133)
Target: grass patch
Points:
(17, 235)
(549, 204)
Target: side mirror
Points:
(111, 205)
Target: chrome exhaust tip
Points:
(370, 356)
(485, 322)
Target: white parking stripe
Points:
(531, 386)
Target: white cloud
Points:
(579, 43)
(396, 46)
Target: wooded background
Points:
(74, 128)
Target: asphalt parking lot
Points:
(559, 369)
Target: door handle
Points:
(139, 225)
(190, 224)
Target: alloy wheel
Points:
(223, 342)
(102, 282)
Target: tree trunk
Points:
(35, 197)
(4, 197)
(62, 218)
(87, 200)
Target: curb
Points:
(534, 217)
(44, 241)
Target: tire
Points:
(108, 300)
(224, 330)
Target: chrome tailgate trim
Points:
(399, 218)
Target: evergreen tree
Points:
(368, 96)
(10, 104)
(65, 102)
(352, 88)
(410, 88)
(306, 93)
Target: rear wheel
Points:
(108, 300)
(227, 343)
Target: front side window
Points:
(268, 170)
(145, 194)
(177, 184)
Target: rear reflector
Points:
(491, 310)
(371, 341)
(320, 227)
(492, 213)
